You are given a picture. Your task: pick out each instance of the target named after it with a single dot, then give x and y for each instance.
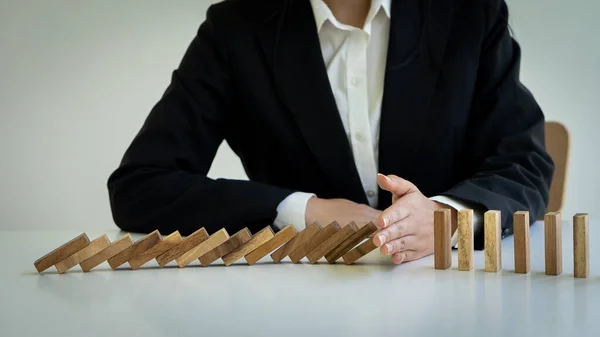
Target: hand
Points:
(325, 211)
(407, 225)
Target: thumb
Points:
(396, 185)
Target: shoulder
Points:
(481, 15)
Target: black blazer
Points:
(455, 120)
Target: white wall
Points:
(77, 79)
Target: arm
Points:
(507, 166)
(161, 182)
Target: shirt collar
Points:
(322, 12)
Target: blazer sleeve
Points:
(161, 182)
(508, 168)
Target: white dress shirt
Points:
(356, 62)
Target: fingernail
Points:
(382, 239)
(386, 222)
(389, 249)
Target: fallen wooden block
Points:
(521, 242)
(492, 245)
(112, 250)
(234, 242)
(167, 243)
(188, 243)
(90, 250)
(296, 242)
(215, 240)
(360, 251)
(134, 250)
(553, 243)
(314, 241)
(581, 245)
(61, 253)
(256, 241)
(353, 240)
(465, 240)
(442, 239)
(279, 239)
(328, 245)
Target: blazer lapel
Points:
(291, 44)
(418, 36)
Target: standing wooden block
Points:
(279, 239)
(492, 235)
(134, 250)
(360, 251)
(215, 240)
(188, 243)
(442, 239)
(553, 243)
(257, 240)
(521, 242)
(167, 243)
(581, 245)
(296, 242)
(112, 250)
(465, 240)
(90, 250)
(61, 253)
(354, 239)
(234, 242)
(330, 244)
(314, 241)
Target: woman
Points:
(318, 96)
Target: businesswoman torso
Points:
(454, 119)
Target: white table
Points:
(371, 298)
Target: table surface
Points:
(373, 297)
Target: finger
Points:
(410, 242)
(393, 232)
(395, 213)
(395, 184)
(406, 256)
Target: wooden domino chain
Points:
(492, 236)
(315, 242)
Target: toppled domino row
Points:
(314, 242)
(492, 245)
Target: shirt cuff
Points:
(460, 205)
(292, 211)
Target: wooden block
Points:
(90, 250)
(351, 242)
(256, 241)
(296, 242)
(442, 239)
(215, 240)
(187, 244)
(581, 245)
(360, 251)
(553, 243)
(283, 236)
(314, 241)
(112, 250)
(521, 242)
(167, 243)
(492, 227)
(135, 250)
(465, 240)
(61, 253)
(333, 241)
(234, 241)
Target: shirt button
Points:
(355, 81)
(359, 137)
(370, 193)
